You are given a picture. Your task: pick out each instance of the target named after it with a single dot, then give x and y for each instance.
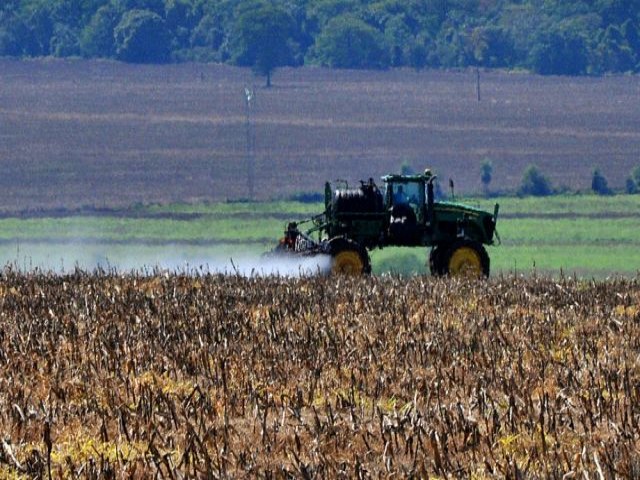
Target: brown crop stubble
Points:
(118, 376)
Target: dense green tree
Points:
(65, 41)
(155, 6)
(97, 39)
(612, 52)
(262, 38)
(635, 175)
(39, 28)
(452, 48)
(550, 37)
(320, 12)
(486, 173)
(13, 32)
(617, 11)
(434, 13)
(397, 38)
(70, 13)
(406, 27)
(180, 13)
(142, 37)
(522, 24)
(417, 54)
(631, 35)
(208, 37)
(211, 37)
(560, 9)
(559, 53)
(534, 183)
(632, 184)
(348, 42)
(492, 47)
(599, 183)
(181, 19)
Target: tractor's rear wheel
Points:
(466, 258)
(349, 258)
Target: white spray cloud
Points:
(289, 266)
(63, 257)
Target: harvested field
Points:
(134, 376)
(105, 134)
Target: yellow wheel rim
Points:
(465, 262)
(347, 262)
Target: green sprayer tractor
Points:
(403, 213)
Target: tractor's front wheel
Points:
(466, 258)
(349, 258)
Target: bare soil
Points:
(106, 135)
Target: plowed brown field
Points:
(104, 134)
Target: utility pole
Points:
(250, 140)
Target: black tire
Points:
(346, 250)
(436, 265)
(466, 258)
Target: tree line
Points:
(564, 37)
(537, 184)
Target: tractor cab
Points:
(409, 200)
(406, 193)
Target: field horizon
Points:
(77, 133)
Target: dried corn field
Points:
(110, 376)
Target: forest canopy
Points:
(554, 37)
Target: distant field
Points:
(104, 134)
(582, 235)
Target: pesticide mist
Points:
(65, 257)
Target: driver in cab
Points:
(399, 196)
